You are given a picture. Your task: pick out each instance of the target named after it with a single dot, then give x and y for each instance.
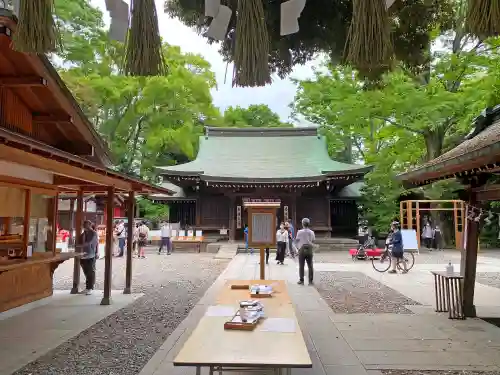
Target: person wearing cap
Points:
(397, 248)
(305, 241)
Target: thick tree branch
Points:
(398, 125)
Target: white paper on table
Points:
(182, 233)
(278, 325)
(218, 27)
(29, 251)
(190, 233)
(289, 16)
(220, 310)
(199, 233)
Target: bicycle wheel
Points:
(409, 259)
(382, 264)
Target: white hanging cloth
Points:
(218, 27)
(290, 14)
(16, 6)
(389, 3)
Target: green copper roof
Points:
(263, 154)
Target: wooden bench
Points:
(225, 350)
(448, 288)
(190, 243)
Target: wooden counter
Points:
(24, 281)
(211, 346)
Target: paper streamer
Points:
(389, 3)
(119, 21)
(290, 14)
(212, 8)
(15, 6)
(218, 28)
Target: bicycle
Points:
(384, 263)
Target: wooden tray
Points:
(261, 295)
(236, 326)
(240, 286)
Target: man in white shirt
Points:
(121, 235)
(165, 237)
(305, 240)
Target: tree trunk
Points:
(434, 140)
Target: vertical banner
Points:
(285, 213)
(238, 217)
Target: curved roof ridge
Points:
(213, 131)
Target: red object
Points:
(368, 252)
(64, 234)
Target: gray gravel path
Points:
(355, 292)
(489, 278)
(123, 343)
(440, 372)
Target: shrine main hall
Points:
(287, 165)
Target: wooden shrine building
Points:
(47, 148)
(474, 162)
(286, 165)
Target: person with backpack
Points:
(143, 234)
(121, 235)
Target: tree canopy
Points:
(256, 115)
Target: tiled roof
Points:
(482, 147)
(263, 154)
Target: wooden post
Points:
(418, 224)
(329, 213)
(409, 215)
(130, 239)
(78, 231)
(106, 299)
(53, 235)
(72, 224)
(232, 218)
(262, 263)
(455, 220)
(468, 263)
(401, 218)
(294, 220)
(26, 223)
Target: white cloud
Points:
(277, 96)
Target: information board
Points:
(409, 239)
(262, 228)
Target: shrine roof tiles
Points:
(263, 154)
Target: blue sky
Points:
(277, 96)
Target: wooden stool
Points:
(448, 288)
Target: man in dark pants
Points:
(87, 261)
(305, 241)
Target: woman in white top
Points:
(281, 239)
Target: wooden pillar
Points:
(71, 221)
(468, 263)
(26, 223)
(53, 224)
(232, 218)
(130, 239)
(294, 219)
(418, 223)
(329, 213)
(78, 231)
(106, 299)
(409, 215)
(401, 217)
(198, 211)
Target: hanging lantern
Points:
(483, 18)
(368, 46)
(251, 52)
(144, 54)
(36, 29)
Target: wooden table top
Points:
(20, 263)
(211, 345)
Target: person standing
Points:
(305, 242)
(437, 242)
(121, 235)
(88, 247)
(291, 233)
(165, 237)
(397, 248)
(427, 235)
(281, 240)
(143, 234)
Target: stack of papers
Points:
(264, 289)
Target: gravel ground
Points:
(123, 343)
(434, 257)
(440, 372)
(355, 293)
(489, 278)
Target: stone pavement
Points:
(30, 331)
(361, 344)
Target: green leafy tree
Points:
(256, 115)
